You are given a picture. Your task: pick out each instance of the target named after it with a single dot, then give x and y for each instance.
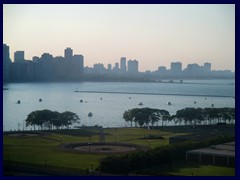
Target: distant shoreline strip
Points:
(155, 94)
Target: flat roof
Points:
(230, 143)
(217, 150)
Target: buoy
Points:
(90, 114)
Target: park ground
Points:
(42, 155)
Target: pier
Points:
(155, 94)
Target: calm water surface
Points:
(108, 110)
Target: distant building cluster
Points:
(45, 67)
(71, 67)
(124, 70)
(192, 71)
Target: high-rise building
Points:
(109, 67)
(6, 62)
(46, 57)
(35, 59)
(207, 67)
(193, 70)
(132, 66)
(78, 64)
(68, 54)
(116, 66)
(123, 66)
(162, 68)
(176, 68)
(19, 57)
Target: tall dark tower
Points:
(6, 62)
(123, 66)
(68, 54)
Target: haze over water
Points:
(108, 111)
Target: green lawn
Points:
(37, 149)
(40, 150)
(183, 168)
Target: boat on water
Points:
(169, 103)
(140, 104)
(40, 100)
(90, 114)
(18, 102)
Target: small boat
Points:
(101, 98)
(195, 102)
(90, 114)
(40, 100)
(18, 102)
(140, 104)
(129, 98)
(81, 101)
(212, 105)
(169, 103)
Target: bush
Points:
(124, 164)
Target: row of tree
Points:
(51, 119)
(188, 116)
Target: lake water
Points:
(108, 108)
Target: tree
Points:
(127, 116)
(67, 118)
(144, 116)
(50, 119)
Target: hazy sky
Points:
(155, 35)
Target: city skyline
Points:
(121, 63)
(155, 35)
(71, 67)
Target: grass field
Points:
(183, 168)
(44, 150)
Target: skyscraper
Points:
(176, 68)
(109, 67)
(207, 67)
(133, 66)
(19, 57)
(6, 62)
(123, 66)
(78, 64)
(68, 54)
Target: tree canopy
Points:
(51, 119)
(144, 116)
(189, 116)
